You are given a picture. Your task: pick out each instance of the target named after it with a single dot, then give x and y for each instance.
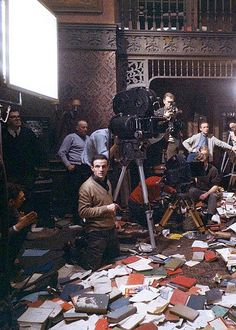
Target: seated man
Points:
(136, 203)
(207, 186)
(18, 222)
(97, 207)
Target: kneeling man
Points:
(97, 208)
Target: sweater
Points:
(93, 201)
(71, 149)
(192, 142)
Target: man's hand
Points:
(71, 168)
(168, 113)
(234, 149)
(112, 208)
(26, 220)
(203, 196)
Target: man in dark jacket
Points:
(206, 186)
(174, 116)
(18, 222)
(21, 153)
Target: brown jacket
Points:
(93, 201)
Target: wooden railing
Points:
(178, 15)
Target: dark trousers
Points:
(137, 213)
(101, 248)
(75, 180)
(16, 242)
(195, 193)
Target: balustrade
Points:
(178, 15)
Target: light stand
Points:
(135, 150)
(225, 161)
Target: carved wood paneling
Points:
(90, 37)
(91, 76)
(182, 44)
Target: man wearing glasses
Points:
(21, 153)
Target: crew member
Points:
(196, 141)
(206, 186)
(21, 153)
(70, 153)
(136, 203)
(97, 207)
(18, 222)
(98, 143)
(171, 113)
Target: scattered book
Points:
(135, 278)
(130, 260)
(214, 295)
(118, 303)
(218, 324)
(210, 256)
(196, 302)
(72, 315)
(121, 313)
(179, 297)
(185, 312)
(198, 256)
(174, 263)
(132, 321)
(184, 281)
(220, 311)
(92, 303)
(34, 318)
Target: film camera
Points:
(134, 117)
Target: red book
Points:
(130, 260)
(199, 249)
(147, 326)
(179, 297)
(210, 256)
(135, 279)
(102, 324)
(174, 272)
(193, 290)
(184, 281)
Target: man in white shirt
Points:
(196, 141)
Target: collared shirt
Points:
(97, 143)
(14, 133)
(202, 142)
(71, 149)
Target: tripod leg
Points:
(195, 216)
(148, 211)
(166, 216)
(119, 183)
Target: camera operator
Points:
(206, 186)
(171, 113)
(136, 203)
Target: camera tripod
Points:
(178, 201)
(136, 150)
